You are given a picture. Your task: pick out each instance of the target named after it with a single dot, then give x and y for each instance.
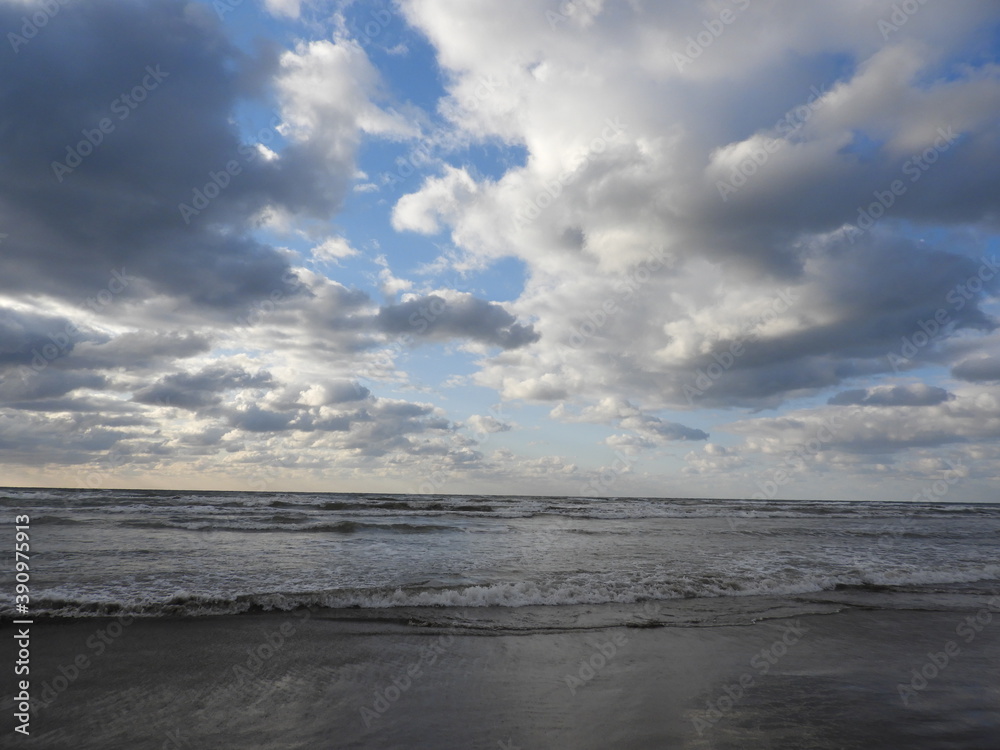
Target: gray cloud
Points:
(648, 429)
(978, 369)
(464, 316)
(140, 350)
(28, 386)
(872, 298)
(118, 208)
(898, 395)
(201, 389)
(675, 431)
(255, 419)
(32, 339)
(487, 424)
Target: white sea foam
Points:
(176, 553)
(592, 590)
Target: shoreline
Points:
(284, 680)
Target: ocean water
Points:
(495, 562)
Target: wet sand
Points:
(301, 680)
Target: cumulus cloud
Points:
(438, 198)
(647, 429)
(713, 460)
(333, 249)
(200, 389)
(894, 428)
(329, 92)
(132, 269)
(978, 369)
(486, 424)
(164, 134)
(599, 205)
(796, 213)
(892, 395)
(458, 315)
(290, 8)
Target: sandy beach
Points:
(303, 680)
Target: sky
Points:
(729, 248)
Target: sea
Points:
(494, 562)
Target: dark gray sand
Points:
(302, 680)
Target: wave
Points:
(396, 505)
(507, 594)
(887, 535)
(55, 521)
(497, 506)
(288, 524)
(313, 506)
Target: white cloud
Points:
(486, 424)
(328, 92)
(289, 8)
(333, 249)
(438, 198)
